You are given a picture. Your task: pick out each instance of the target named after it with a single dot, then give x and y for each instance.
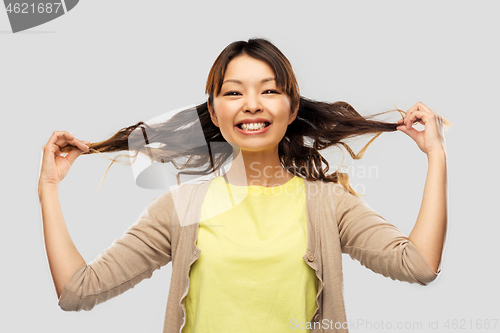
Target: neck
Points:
(261, 168)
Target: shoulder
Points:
(191, 189)
(184, 193)
(186, 196)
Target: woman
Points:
(256, 249)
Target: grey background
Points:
(109, 64)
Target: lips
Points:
(252, 132)
(253, 120)
(266, 124)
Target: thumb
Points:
(412, 133)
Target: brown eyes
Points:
(236, 93)
(231, 93)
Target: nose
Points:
(252, 103)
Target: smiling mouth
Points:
(252, 127)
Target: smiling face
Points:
(249, 93)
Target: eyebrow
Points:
(239, 82)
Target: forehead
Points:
(244, 67)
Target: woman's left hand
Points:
(430, 139)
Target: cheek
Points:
(218, 112)
(226, 111)
(284, 108)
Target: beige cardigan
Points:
(338, 222)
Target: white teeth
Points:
(253, 126)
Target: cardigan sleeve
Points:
(144, 247)
(378, 245)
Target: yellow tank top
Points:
(250, 276)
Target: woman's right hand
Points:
(55, 167)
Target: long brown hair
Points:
(318, 125)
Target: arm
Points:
(143, 248)
(64, 259)
(429, 232)
(367, 237)
(378, 245)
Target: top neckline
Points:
(263, 190)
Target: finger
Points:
(51, 148)
(401, 121)
(76, 144)
(407, 117)
(412, 133)
(67, 149)
(423, 107)
(50, 151)
(416, 117)
(59, 138)
(80, 144)
(412, 109)
(409, 121)
(63, 139)
(420, 107)
(87, 144)
(423, 116)
(71, 140)
(73, 155)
